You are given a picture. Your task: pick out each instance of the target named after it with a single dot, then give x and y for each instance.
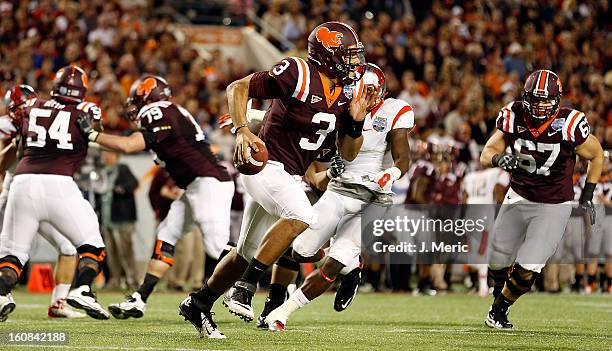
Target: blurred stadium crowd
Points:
(456, 62)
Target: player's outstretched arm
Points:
(8, 155)
(496, 145)
(124, 144)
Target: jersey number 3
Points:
(58, 129)
(322, 133)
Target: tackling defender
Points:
(545, 139)
(365, 180)
(311, 103)
(15, 100)
(180, 145)
(43, 191)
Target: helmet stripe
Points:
(542, 80)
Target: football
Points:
(256, 162)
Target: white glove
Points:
(386, 178)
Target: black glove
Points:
(336, 167)
(87, 127)
(586, 200)
(506, 162)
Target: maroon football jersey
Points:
(418, 169)
(446, 189)
(546, 154)
(303, 115)
(52, 140)
(180, 143)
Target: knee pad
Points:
(289, 263)
(163, 252)
(11, 263)
(88, 253)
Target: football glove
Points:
(586, 201)
(336, 167)
(86, 125)
(506, 162)
(386, 178)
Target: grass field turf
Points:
(373, 322)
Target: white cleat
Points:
(7, 305)
(133, 306)
(83, 299)
(276, 321)
(61, 309)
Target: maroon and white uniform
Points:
(304, 116)
(7, 132)
(541, 189)
(42, 191)
(182, 150)
(547, 160)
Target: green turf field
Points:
(373, 322)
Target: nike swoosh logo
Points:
(553, 133)
(365, 130)
(341, 103)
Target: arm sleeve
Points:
(288, 78)
(576, 128)
(264, 86)
(155, 123)
(505, 119)
(404, 118)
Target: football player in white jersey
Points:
(483, 189)
(383, 158)
(67, 260)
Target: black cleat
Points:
(270, 306)
(200, 318)
(347, 290)
(241, 301)
(497, 318)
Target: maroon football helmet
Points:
(542, 95)
(15, 98)
(70, 84)
(147, 89)
(336, 50)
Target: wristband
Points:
(587, 192)
(355, 129)
(495, 159)
(235, 130)
(93, 136)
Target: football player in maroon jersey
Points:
(311, 103)
(15, 102)
(43, 190)
(175, 136)
(545, 139)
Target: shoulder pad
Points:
(576, 127)
(293, 75)
(399, 112)
(158, 104)
(506, 117)
(91, 108)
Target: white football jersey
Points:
(479, 185)
(375, 154)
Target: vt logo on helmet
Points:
(337, 52)
(146, 90)
(329, 39)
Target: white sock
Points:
(60, 292)
(296, 301)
